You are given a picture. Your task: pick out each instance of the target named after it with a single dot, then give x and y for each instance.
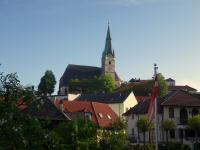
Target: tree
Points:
(47, 83)
(77, 134)
(194, 124)
(167, 126)
(114, 137)
(162, 85)
(144, 125)
(18, 130)
(94, 85)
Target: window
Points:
(109, 117)
(195, 112)
(132, 116)
(88, 116)
(183, 116)
(171, 112)
(132, 131)
(172, 133)
(109, 62)
(100, 115)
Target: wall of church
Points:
(108, 66)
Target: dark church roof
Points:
(108, 47)
(108, 98)
(80, 72)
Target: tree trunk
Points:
(196, 134)
(144, 138)
(149, 136)
(167, 136)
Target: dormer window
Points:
(88, 115)
(100, 115)
(109, 117)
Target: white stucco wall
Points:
(121, 108)
(130, 102)
(117, 108)
(132, 123)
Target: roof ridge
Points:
(69, 65)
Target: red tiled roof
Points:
(181, 87)
(181, 98)
(102, 114)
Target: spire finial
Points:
(155, 69)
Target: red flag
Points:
(151, 110)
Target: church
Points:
(87, 72)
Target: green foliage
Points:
(162, 85)
(114, 137)
(167, 126)
(144, 125)
(78, 134)
(94, 85)
(145, 89)
(19, 130)
(194, 123)
(47, 83)
(142, 147)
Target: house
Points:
(170, 82)
(45, 111)
(183, 87)
(120, 102)
(99, 113)
(177, 106)
(87, 72)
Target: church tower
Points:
(108, 57)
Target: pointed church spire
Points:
(108, 46)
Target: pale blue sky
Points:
(37, 35)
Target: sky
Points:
(40, 35)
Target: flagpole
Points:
(156, 124)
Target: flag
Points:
(151, 109)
